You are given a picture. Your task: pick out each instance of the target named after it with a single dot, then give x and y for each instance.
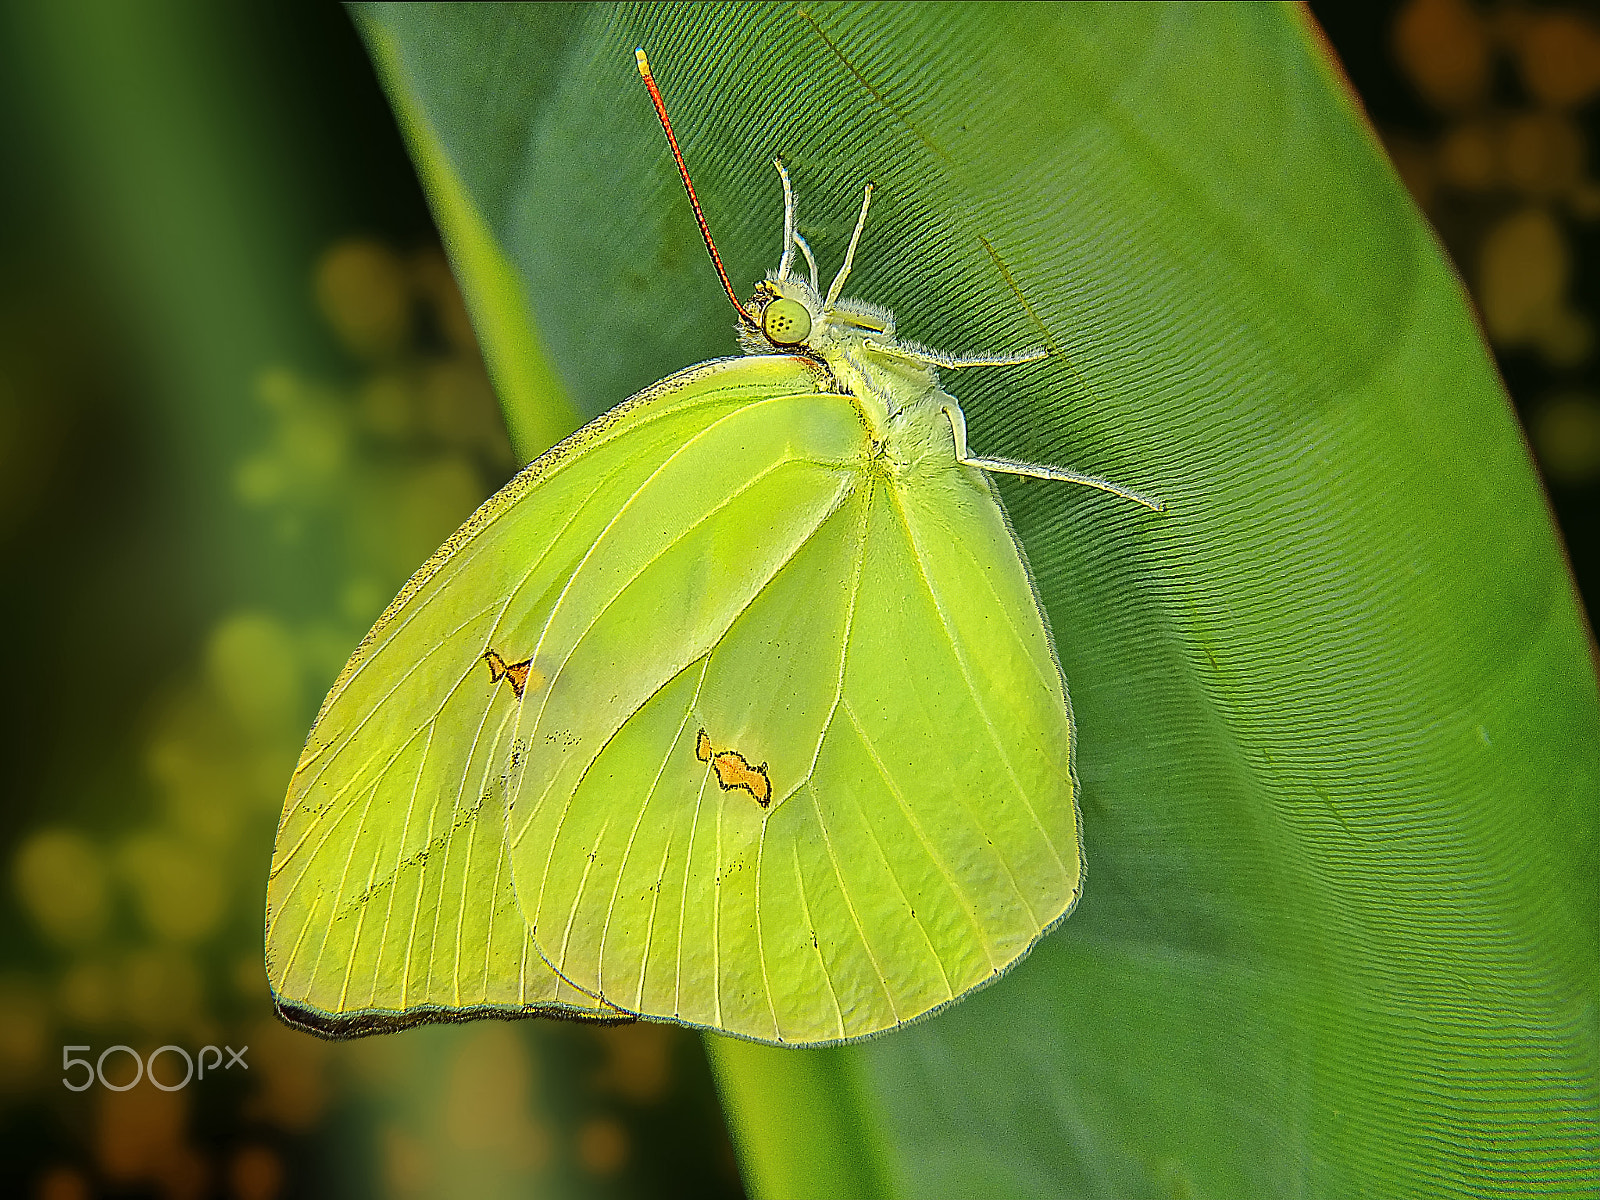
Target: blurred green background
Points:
(240, 402)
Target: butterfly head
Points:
(787, 313)
(790, 315)
(785, 320)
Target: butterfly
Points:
(736, 709)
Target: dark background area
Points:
(1489, 112)
(239, 403)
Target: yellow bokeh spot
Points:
(1444, 47)
(1539, 154)
(61, 879)
(363, 290)
(259, 480)
(24, 1033)
(486, 1107)
(251, 661)
(249, 977)
(361, 599)
(1559, 56)
(410, 518)
(88, 994)
(1523, 269)
(1469, 156)
(602, 1146)
(160, 991)
(1566, 436)
(180, 888)
(311, 441)
(193, 757)
(1544, 153)
(316, 442)
(385, 404)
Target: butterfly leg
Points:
(1007, 466)
(936, 358)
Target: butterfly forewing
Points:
(391, 898)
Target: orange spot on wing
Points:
(516, 674)
(734, 771)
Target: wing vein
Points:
(894, 879)
(683, 904)
(855, 918)
(988, 721)
(550, 688)
(944, 871)
(627, 852)
(761, 942)
(416, 908)
(822, 962)
(849, 626)
(340, 746)
(745, 413)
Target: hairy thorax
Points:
(901, 404)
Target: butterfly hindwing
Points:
(847, 799)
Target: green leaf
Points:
(537, 408)
(1336, 710)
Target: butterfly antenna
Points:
(850, 254)
(788, 221)
(811, 261)
(683, 170)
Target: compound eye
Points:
(786, 322)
